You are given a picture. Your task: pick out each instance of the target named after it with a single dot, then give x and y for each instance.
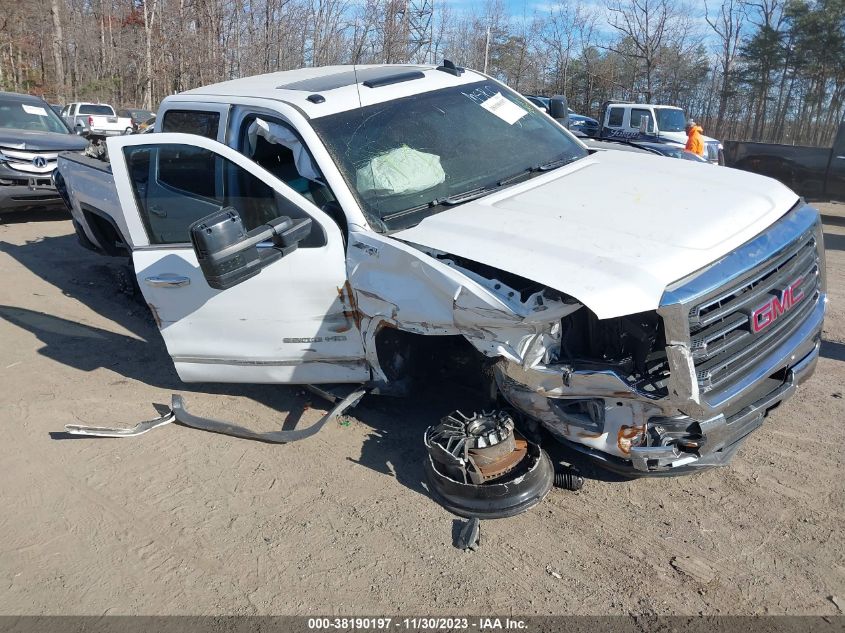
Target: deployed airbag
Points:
(281, 135)
(400, 171)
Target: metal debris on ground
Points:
(179, 414)
(470, 536)
(104, 431)
(568, 478)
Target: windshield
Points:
(30, 115)
(96, 109)
(410, 158)
(670, 119)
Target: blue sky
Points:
(526, 9)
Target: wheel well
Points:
(408, 359)
(109, 237)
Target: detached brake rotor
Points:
(478, 466)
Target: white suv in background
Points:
(666, 122)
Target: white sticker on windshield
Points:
(506, 110)
(34, 110)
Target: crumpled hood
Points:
(613, 229)
(31, 140)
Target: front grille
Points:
(724, 343)
(24, 161)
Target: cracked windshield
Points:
(410, 158)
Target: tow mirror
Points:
(644, 124)
(559, 109)
(229, 254)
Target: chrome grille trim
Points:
(20, 160)
(707, 315)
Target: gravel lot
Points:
(179, 521)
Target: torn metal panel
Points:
(683, 386)
(397, 285)
(610, 425)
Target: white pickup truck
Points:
(344, 225)
(96, 118)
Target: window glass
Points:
(176, 185)
(91, 108)
(614, 119)
(636, 116)
(192, 122)
(671, 119)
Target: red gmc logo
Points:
(767, 313)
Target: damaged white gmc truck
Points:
(337, 225)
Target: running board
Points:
(179, 414)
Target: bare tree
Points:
(644, 24)
(727, 23)
(149, 23)
(57, 45)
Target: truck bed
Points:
(94, 205)
(803, 169)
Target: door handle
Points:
(157, 210)
(841, 157)
(167, 281)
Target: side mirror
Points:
(229, 254)
(644, 124)
(559, 109)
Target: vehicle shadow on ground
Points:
(833, 220)
(394, 445)
(833, 350)
(105, 286)
(39, 215)
(834, 242)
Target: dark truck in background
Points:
(813, 172)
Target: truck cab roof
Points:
(641, 105)
(318, 92)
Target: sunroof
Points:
(347, 78)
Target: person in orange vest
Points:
(695, 143)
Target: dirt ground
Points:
(180, 521)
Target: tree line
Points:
(768, 70)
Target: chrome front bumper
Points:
(719, 435)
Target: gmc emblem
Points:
(767, 313)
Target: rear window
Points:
(91, 108)
(614, 119)
(192, 122)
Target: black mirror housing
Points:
(228, 254)
(559, 110)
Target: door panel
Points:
(292, 322)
